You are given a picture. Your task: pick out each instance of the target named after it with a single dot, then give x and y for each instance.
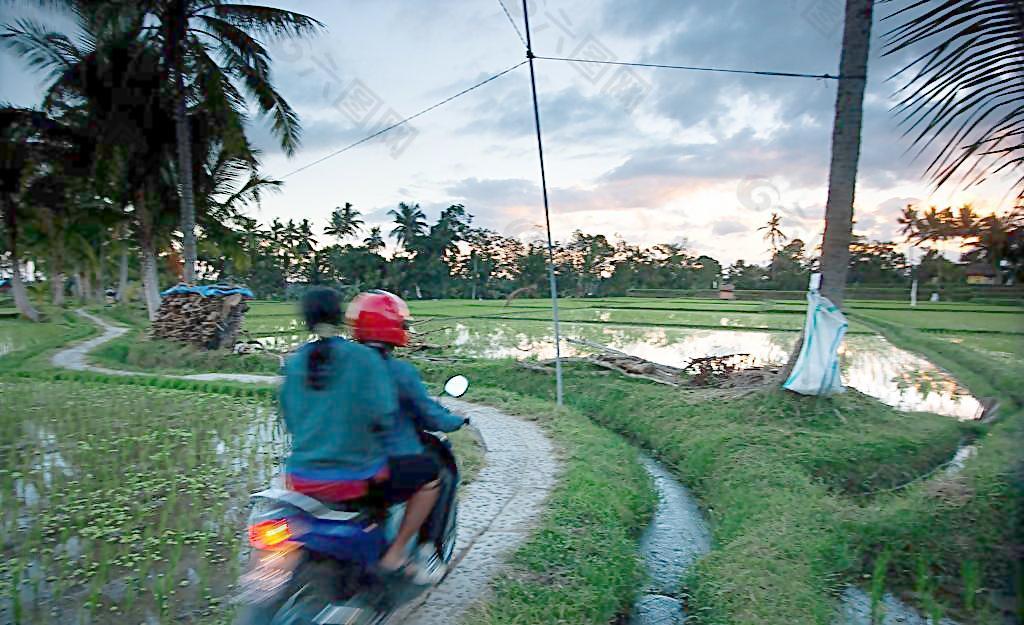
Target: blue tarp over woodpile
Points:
(208, 290)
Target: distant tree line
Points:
(453, 258)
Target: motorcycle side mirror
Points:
(456, 386)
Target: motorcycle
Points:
(312, 562)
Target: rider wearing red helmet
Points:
(379, 317)
(380, 320)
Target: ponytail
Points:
(320, 306)
(317, 365)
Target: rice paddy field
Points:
(123, 500)
(674, 331)
(124, 503)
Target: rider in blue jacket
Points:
(380, 320)
(417, 410)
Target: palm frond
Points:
(285, 125)
(227, 34)
(268, 21)
(963, 97)
(42, 49)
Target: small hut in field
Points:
(981, 274)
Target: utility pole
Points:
(547, 214)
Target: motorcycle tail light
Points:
(272, 535)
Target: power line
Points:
(513, 23)
(406, 120)
(698, 69)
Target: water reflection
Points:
(869, 363)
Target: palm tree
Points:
(842, 177)
(16, 133)
(345, 222)
(374, 242)
(964, 95)
(187, 31)
(773, 235)
(111, 84)
(410, 223)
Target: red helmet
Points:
(379, 317)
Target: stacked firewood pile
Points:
(209, 321)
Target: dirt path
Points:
(497, 511)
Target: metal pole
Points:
(547, 216)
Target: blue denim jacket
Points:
(342, 431)
(416, 410)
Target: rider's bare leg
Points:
(417, 509)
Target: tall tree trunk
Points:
(57, 274)
(842, 175)
(101, 289)
(147, 247)
(842, 178)
(86, 292)
(21, 299)
(150, 286)
(76, 286)
(122, 279)
(184, 140)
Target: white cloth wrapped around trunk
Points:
(817, 366)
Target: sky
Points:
(647, 155)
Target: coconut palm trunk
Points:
(150, 286)
(21, 299)
(189, 255)
(842, 175)
(183, 138)
(122, 279)
(846, 130)
(101, 277)
(147, 247)
(57, 277)
(86, 293)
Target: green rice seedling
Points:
(970, 573)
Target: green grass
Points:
(951, 321)
(22, 342)
(795, 487)
(580, 565)
(983, 508)
(134, 352)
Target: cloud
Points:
(728, 226)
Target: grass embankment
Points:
(973, 525)
(581, 564)
(23, 342)
(134, 351)
(792, 486)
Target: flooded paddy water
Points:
(122, 503)
(869, 363)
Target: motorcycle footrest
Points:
(338, 615)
